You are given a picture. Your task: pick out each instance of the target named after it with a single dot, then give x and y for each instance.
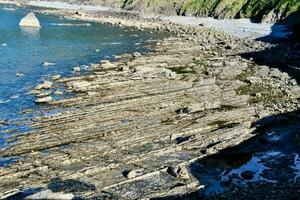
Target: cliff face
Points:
(261, 10)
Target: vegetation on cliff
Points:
(261, 10)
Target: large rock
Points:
(30, 20)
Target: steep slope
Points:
(261, 10)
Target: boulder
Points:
(30, 20)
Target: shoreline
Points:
(241, 28)
(143, 119)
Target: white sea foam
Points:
(115, 43)
(4, 101)
(15, 96)
(9, 9)
(296, 167)
(71, 24)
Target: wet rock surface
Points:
(136, 124)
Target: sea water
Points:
(62, 42)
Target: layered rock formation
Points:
(136, 124)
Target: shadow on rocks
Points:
(69, 186)
(285, 53)
(237, 156)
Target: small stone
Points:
(258, 95)
(45, 85)
(44, 99)
(19, 74)
(179, 171)
(58, 92)
(55, 77)
(34, 92)
(136, 54)
(133, 173)
(44, 94)
(181, 111)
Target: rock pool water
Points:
(61, 42)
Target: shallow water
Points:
(63, 42)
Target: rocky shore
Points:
(135, 124)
